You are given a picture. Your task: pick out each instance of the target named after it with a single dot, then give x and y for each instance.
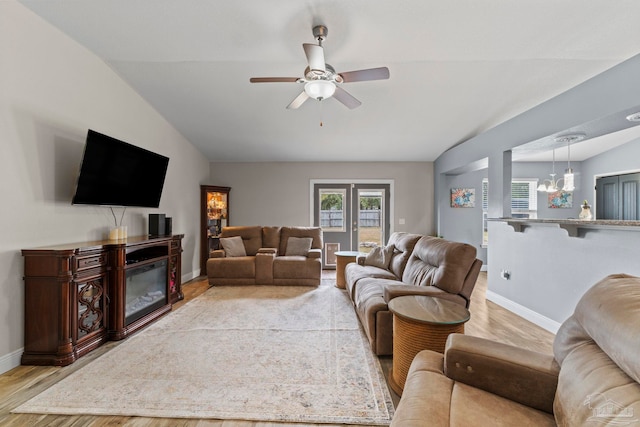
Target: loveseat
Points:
(592, 379)
(256, 255)
(410, 264)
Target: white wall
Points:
(278, 193)
(51, 91)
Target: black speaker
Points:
(167, 226)
(156, 224)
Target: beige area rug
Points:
(262, 353)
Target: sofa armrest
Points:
(218, 253)
(314, 253)
(521, 375)
(268, 251)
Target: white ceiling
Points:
(458, 67)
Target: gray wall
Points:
(597, 98)
(550, 270)
(279, 193)
(541, 170)
(53, 90)
(465, 224)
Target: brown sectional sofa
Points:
(266, 261)
(418, 265)
(593, 378)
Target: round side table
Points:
(421, 323)
(342, 259)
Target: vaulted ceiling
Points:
(457, 68)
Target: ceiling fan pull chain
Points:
(321, 112)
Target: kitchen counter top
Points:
(571, 225)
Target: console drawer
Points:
(91, 261)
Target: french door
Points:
(353, 216)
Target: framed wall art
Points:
(560, 200)
(463, 197)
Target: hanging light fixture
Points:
(550, 185)
(568, 173)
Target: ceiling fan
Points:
(321, 81)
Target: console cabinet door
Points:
(90, 326)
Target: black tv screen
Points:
(116, 173)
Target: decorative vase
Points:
(585, 213)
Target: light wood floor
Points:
(20, 384)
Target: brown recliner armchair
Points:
(593, 378)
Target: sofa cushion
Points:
(354, 272)
(236, 267)
(251, 237)
(403, 244)
(609, 313)
(233, 246)
(431, 398)
(597, 348)
(314, 232)
(591, 383)
(379, 256)
(298, 246)
(439, 262)
(271, 237)
(296, 267)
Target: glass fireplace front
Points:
(146, 289)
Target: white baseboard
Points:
(524, 312)
(484, 267)
(10, 361)
(190, 276)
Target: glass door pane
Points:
(370, 217)
(332, 212)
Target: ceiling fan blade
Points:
(315, 56)
(273, 79)
(298, 101)
(346, 98)
(381, 73)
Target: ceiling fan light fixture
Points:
(320, 89)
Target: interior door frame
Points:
(389, 182)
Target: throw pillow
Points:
(379, 256)
(298, 246)
(233, 246)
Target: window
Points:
(524, 202)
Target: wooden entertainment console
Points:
(79, 296)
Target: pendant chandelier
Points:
(552, 185)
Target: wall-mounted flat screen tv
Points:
(116, 173)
